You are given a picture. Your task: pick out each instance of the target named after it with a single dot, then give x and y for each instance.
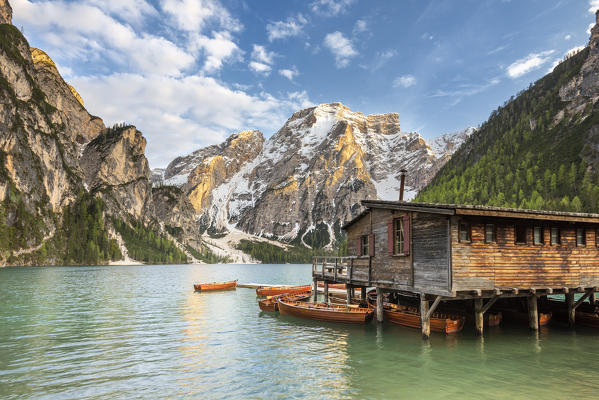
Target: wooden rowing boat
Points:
(203, 287)
(325, 312)
(333, 285)
(515, 314)
(337, 299)
(410, 317)
(269, 304)
(586, 314)
(274, 291)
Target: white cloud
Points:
(360, 26)
(259, 67)
(404, 81)
(194, 15)
(262, 60)
(259, 53)
(341, 47)
(568, 37)
(289, 73)
(217, 49)
(331, 8)
(465, 89)
(178, 115)
(593, 6)
(130, 10)
(80, 30)
(529, 63)
(293, 26)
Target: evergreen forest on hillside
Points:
(521, 158)
(144, 244)
(268, 253)
(81, 238)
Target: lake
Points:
(141, 332)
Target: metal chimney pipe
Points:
(403, 180)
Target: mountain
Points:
(302, 183)
(71, 190)
(539, 150)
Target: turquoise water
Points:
(141, 332)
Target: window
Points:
(581, 239)
(490, 233)
(555, 237)
(464, 232)
(520, 232)
(398, 236)
(365, 243)
(538, 235)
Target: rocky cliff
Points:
(116, 168)
(5, 12)
(64, 176)
(308, 178)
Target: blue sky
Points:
(188, 73)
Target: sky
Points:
(188, 73)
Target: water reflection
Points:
(104, 333)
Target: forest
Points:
(268, 253)
(144, 244)
(523, 157)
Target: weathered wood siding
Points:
(386, 269)
(430, 245)
(505, 264)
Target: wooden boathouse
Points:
(444, 252)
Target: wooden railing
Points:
(343, 269)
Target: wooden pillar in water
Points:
(425, 321)
(379, 305)
(571, 309)
(363, 293)
(349, 294)
(315, 290)
(478, 316)
(326, 292)
(592, 298)
(533, 313)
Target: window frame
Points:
(468, 232)
(558, 237)
(542, 236)
(399, 222)
(365, 248)
(493, 232)
(583, 242)
(521, 226)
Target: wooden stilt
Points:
(363, 293)
(533, 313)
(478, 316)
(326, 292)
(425, 321)
(349, 294)
(571, 309)
(379, 305)
(592, 298)
(315, 290)
(353, 292)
